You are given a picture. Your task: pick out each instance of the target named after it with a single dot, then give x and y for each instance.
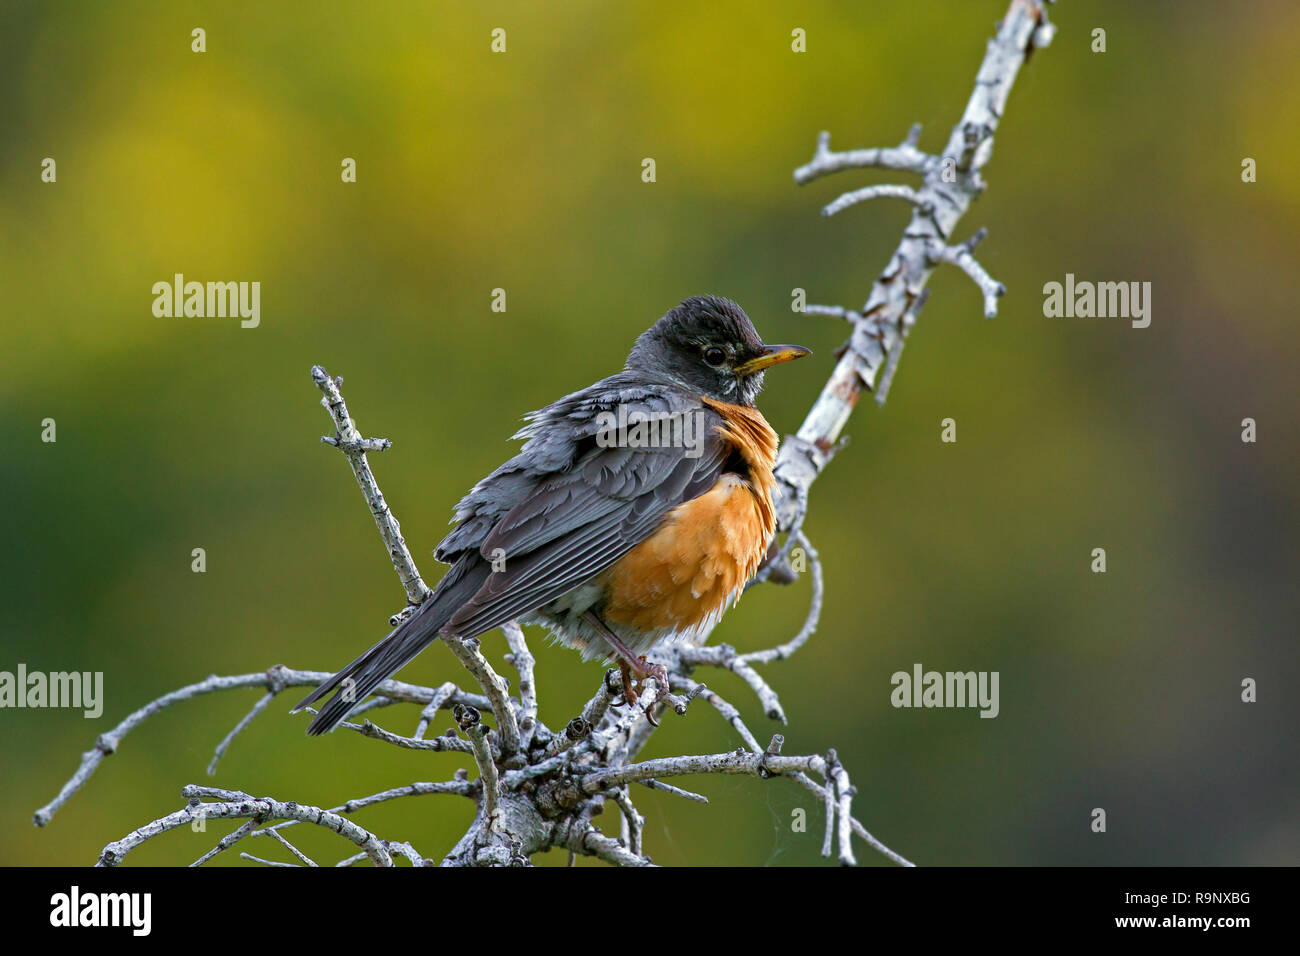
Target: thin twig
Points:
(883, 191)
(904, 158)
(248, 718)
(652, 784)
(594, 843)
(468, 652)
(280, 863)
(275, 835)
(783, 651)
(962, 257)
(227, 841)
(489, 779)
(725, 656)
(459, 787)
(443, 744)
(442, 698)
(633, 822)
(234, 804)
(728, 712)
(349, 441)
(521, 658)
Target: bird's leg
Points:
(625, 669)
(634, 668)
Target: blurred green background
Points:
(522, 171)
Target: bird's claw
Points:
(634, 678)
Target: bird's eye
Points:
(714, 355)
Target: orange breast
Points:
(706, 549)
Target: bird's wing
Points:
(576, 521)
(557, 436)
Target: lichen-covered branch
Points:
(950, 182)
(349, 441)
(231, 804)
(275, 680)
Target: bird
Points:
(636, 510)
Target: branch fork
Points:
(951, 181)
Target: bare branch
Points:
(303, 857)
(895, 347)
(575, 731)
(248, 718)
(822, 793)
(725, 656)
(905, 158)
(443, 744)
(949, 193)
(275, 679)
(440, 701)
(234, 804)
(961, 257)
(281, 863)
(489, 779)
(349, 441)
(521, 658)
(462, 787)
(837, 782)
(610, 688)
(810, 622)
(834, 311)
(229, 840)
(733, 762)
(728, 712)
(653, 784)
(633, 822)
(594, 843)
(405, 849)
(467, 651)
(620, 727)
(905, 193)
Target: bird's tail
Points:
(358, 679)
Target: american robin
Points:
(636, 510)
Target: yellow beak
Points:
(772, 355)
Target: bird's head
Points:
(709, 345)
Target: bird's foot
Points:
(634, 678)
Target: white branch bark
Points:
(349, 441)
(879, 325)
(885, 191)
(234, 805)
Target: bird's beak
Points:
(772, 355)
